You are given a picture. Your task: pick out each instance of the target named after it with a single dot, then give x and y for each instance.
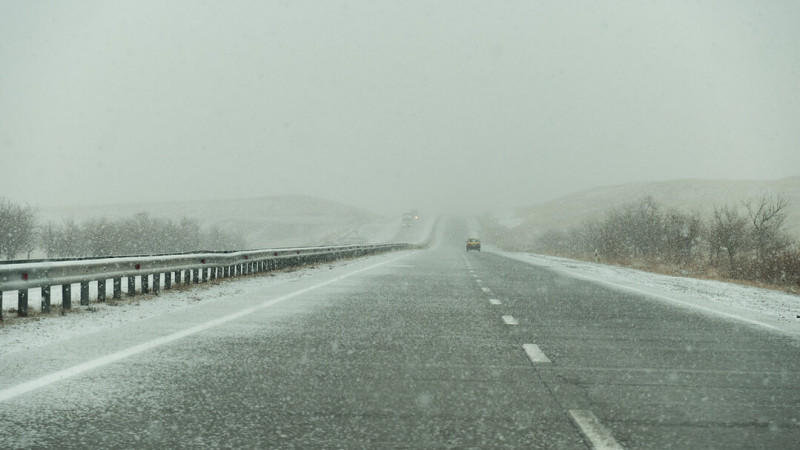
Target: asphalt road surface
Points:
(427, 349)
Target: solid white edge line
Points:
(528, 260)
(675, 300)
(510, 320)
(495, 301)
(595, 432)
(535, 354)
(54, 377)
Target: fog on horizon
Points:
(449, 105)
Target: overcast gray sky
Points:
(389, 105)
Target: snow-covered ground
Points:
(35, 331)
(381, 231)
(763, 308)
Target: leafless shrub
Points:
(749, 247)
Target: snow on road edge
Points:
(765, 308)
(47, 329)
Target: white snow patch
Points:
(509, 219)
(47, 329)
(762, 307)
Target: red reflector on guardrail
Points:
(203, 261)
(246, 256)
(138, 266)
(25, 276)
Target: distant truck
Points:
(473, 244)
(409, 217)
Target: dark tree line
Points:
(746, 242)
(137, 235)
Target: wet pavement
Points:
(416, 350)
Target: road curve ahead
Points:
(427, 349)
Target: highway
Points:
(440, 348)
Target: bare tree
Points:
(17, 228)
(48, 238)
(728, 232)
(767, 216)
(69, 239)
(681, 232)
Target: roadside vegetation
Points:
(741, 242)
(17, 229)
(21, 235)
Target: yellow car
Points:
(473, 244)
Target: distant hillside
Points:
(275, 221)
(685, 195)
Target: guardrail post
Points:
(168, 280)
(145, 284)
(178, 274)
(156, 282)
(101, 290)
(188, 277)
(22, 303)
(118, 287)
(45, 299)
(132, 285)
(84, 293)
(1, 306)
(196, 275)
(66, 296)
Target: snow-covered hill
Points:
(685, 195)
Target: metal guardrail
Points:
(174, 269)
(186, 268)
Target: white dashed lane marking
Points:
(485, 289)
(495, 301)
(535, 354)
(510, 320)
(595, 432)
